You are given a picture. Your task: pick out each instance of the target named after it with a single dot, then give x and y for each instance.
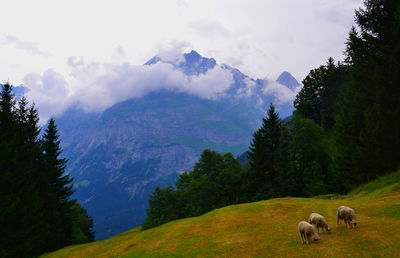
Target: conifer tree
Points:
(262, 156)
(318, 97)
(36, 213)
(368, 123)
(58, 215)
(21, 215)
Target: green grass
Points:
(384, 183)
(267, 228)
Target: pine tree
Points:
(36, 214)
(262, 156)
(21, 215)
(368, 126)
(318, 98)
(59, 207)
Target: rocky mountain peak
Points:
(288, 80)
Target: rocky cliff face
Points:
(117, 157)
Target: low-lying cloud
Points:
(281, 93)
(95, 87)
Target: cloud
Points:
(282, 93)
(74, 61)
(172, 51)
(48, 91)
(182, 3)
(119, 55)
(107, 84)
(29, 47)
(95, 87)
(249, 89)
(209, 28)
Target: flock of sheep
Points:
(307, 230)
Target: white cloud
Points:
(48, 91)
(74, 61)
(282, 93)
(209, 28)
(97, 86)
(27, 46)
(172, 51)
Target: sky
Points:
(70, 49)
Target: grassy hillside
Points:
(267, 228)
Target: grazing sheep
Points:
(348, 215)
(319, 222)
(306, 231)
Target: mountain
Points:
(192, 63)
(268, 228)
(118, 156)
(288, 80)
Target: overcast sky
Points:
(262, 38)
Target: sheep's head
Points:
(353, 223)
(316, 237)
(329, 230)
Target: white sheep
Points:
(348, 215)
(320, 222)
(306, 231)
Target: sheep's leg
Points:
(337, 222)
(301, 236)
(347, 223)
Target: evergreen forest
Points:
(37, 214)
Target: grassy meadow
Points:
(267, 228)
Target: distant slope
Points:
(268, 228)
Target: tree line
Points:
(37, 214)
(345, 131)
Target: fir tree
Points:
(58, 214)
(368, 125)
(262, 156)
(36, 215)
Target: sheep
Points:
(348, 215)
(306, 231)
(319, 222)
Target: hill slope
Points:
(268, 228)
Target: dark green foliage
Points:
(20, 216)
(359, 100)
(163, 207)
(317, 99)
(303, 159)
(368, 124)
(214, 182)
(57, 190)
(83, 225)
(262, 157)
(36, 213)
